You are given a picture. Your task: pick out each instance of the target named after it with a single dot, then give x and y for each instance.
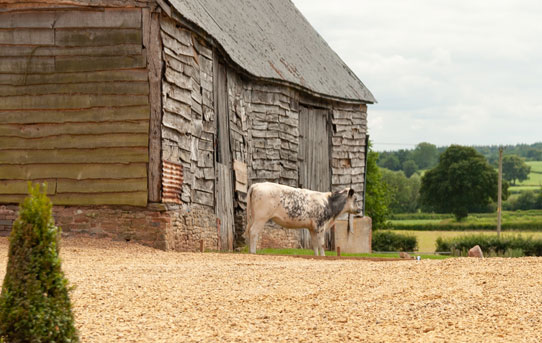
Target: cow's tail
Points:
(250, 212)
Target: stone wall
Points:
(157, 226)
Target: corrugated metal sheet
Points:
(271, 39)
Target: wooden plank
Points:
(100, 155)
(83, 142)
(66, 64)
(175, 45)
(99, 114)
(128, 199)
(73, 171)
(21, 186)
(101, 186)
(71, 102)
(241, 179)
(46, 130)
(25, 50)
(27, 65)
(27, 20)
(155, 65)
(111, 88)
(97, 76)
(97, 37)
(27, 36)
(172, 28)
(112, 18)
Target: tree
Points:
(389, 161)
(425, 155)
(514, 168)
(377, 197)
(34, 303)
(461, 181)
(410, 167)
(404, 191)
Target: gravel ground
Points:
(129, 293)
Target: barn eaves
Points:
(272, 40)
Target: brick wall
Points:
(159, 226)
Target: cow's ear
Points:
(350, 192)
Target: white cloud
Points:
(465, 72)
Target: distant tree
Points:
(410, 167)
(534, 154)
(377, 197)
(527, 200)
(514, 168)
(539, 199)
(389, 161)
(404, 191)
(462, 180)
(425, 155)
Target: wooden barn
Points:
(148, 119)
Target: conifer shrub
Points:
(392, 241)
(34, 302)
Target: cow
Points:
(296, 208)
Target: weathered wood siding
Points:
(188, 123)
(349, 129)
(74, 104)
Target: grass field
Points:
(534, 182)
(333, 253)
(427, 239)
(511, 220)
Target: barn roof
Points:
(273, 40)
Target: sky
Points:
(444, 72)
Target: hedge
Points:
(525, 226)
(391, 241)
(492, 245)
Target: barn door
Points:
(224, 175)
(314, 166)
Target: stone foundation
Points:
(277, 237)
(157, 226)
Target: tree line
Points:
(455, 179)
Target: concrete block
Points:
(357, 240)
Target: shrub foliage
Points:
(501, 246)
(34, 303)
(392, 241)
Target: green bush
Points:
(34, 303)
(391, 241)
(492, 245)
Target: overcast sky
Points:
(445, 72)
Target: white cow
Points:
(296, 208)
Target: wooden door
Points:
(314, 165)
(223, 165)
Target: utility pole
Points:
(499, 195)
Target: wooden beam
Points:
(110, 88)
(155, 66)
(101, 186)
(75, 141)
(60, 78)
(128, 199)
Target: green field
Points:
(427, 239)
(533, 182)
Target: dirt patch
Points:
(129, 293)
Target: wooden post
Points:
(339, 251)
(499, 195)
(201, 245)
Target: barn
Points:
(149, 119)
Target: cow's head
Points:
(351, 204)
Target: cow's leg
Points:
(321, 241)
(314, 241)
(254, 233)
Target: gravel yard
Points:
(129, 293)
